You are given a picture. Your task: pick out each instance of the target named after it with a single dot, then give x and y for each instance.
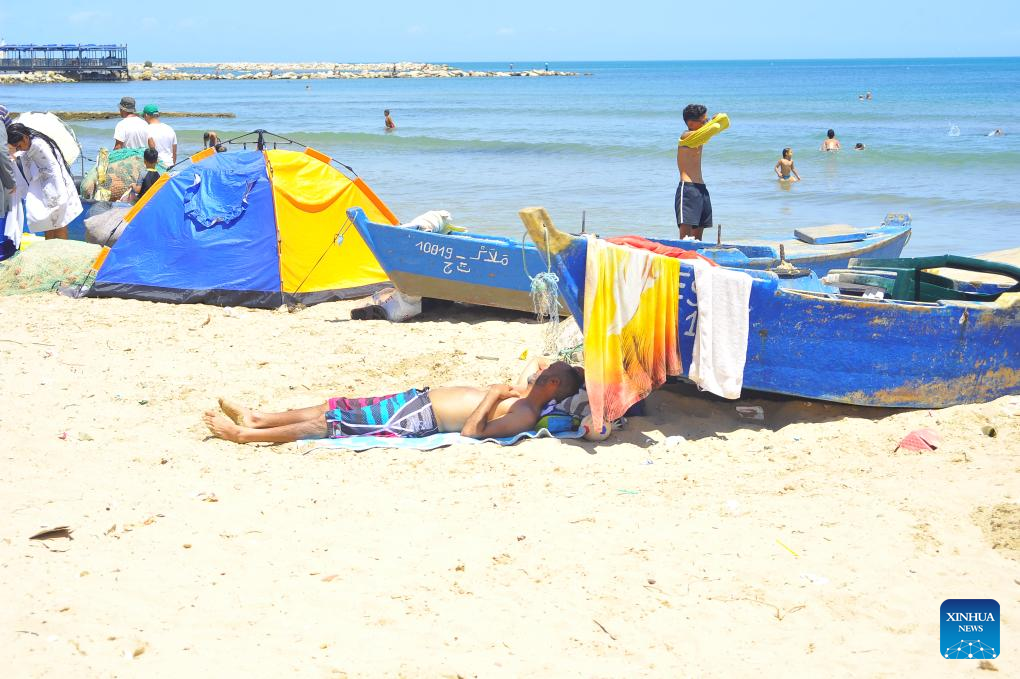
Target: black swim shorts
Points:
(693, 205)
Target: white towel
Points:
(720, 340)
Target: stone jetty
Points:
(287, 71)
(34, 77)
(317, 71)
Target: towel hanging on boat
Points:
(630, 326)
(720, 339)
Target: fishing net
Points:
(114, 173)
(545, 299)
(561, 338)
(569, 342)
(47, 265)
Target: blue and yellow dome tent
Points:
(246, 228)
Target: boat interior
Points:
(909, 279)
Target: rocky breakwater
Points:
(317, 71)
(34, 77)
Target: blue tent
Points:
(246, 228)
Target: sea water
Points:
(604, 143)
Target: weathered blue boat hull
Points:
(496, 271)
(853, 350)
(475, 269)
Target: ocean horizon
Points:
(604, 145)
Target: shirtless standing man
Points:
(500, 410)
(692, 204)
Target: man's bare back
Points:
(830, 143)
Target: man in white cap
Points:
(131, 132)
(161, 136)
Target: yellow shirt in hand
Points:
(718, 123)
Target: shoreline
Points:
(244, 70)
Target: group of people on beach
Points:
(500, 410)
(145, 132)
(38, 188)
(496, 411)
(692, 203)
(784, 168)
(157, 138)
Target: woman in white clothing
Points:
(51, 201)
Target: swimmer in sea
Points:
(784, 167)
(996, 133)
(830, 143)
(859, 146)
(390, 125)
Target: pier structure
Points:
(78, 62)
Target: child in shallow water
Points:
(784, 167)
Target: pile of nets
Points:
(114, 173)
(46, 265)
(105, 223)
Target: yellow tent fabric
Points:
(311, 198)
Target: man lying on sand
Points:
(500, 410)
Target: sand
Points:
(803, 546)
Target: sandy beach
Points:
(802, 546)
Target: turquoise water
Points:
(605, 143)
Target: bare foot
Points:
(237, 412)
(221, 426)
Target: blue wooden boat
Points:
(930, 343)
(496, 271)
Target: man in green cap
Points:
(161, 136)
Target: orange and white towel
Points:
(630, 326)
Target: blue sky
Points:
(523, 30)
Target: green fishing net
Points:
(43, 266)
(114, 173)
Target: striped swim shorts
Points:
(407, 414)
